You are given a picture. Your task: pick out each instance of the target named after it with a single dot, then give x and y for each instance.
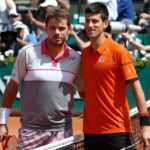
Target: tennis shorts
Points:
(29, 139)
(115, 141)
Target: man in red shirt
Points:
(107, 69)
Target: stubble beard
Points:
(57, 43)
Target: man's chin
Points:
(91, 36)
(58, 43)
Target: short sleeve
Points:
(126, 65)
(19, 68)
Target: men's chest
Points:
(99, 62)
(45, 62)
(43, 68)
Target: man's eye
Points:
(94, 21)
(87, 21)
(61, 29)
(52, 28)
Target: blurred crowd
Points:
(15, 33)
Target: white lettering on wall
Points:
(3, 85)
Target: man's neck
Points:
(96, 42)
(55, 51)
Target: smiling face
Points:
(57, 30)
(94, 25)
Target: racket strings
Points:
(10, 143)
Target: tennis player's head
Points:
(98, 8)
(96, 19)
(58, 25)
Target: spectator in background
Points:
(125, 10)
(23, 38)
(121, 40)
(48, 5)
(5, 7)
(64, 4)
(36, 3)
(142, 41)
(61, 3)
(81, 43)
(144, 16)
(138, 45)
(146, 8)
(144, 19)
(14, 16)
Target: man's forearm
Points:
(139, 96)
(9, 94)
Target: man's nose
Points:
(57, 31)
(90, 23)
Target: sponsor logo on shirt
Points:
(72, 58)
(101, 59)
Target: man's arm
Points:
(79, 41)
(142, 109)
(37, 23)
(10, 94)
(10, 4)
(137, 45)
(7, 102)
(21, 42)
(64, 4)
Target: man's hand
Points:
(146, 135)
(3, 131)
(30, 16)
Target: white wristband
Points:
(4, 114)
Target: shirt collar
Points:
(103, 46)
(43, 47)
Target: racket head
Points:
(9, 142)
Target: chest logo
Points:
(72, 58)
(101, 59)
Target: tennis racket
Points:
(9, 142)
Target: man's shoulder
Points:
(30, 47)
(74, 52)
(114, 46)
(86, 49)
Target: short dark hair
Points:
(98, 8)
(58, 13)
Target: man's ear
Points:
(106, 23)
(69, 29)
